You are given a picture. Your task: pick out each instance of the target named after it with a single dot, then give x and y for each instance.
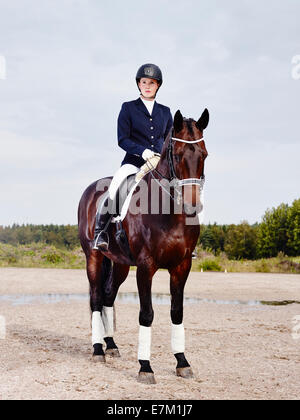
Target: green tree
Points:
(272, 234)
(206, 237)
(241, 241)
(213, 237)
(293, 229)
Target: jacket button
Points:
(151, 128)
(152, 145)
(152, 137)
(150, 119)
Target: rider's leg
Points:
(122, 173)
(106, 211)
(103, 217)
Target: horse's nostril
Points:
(191, 209)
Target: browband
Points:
(187, 141)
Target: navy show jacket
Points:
(138, 130)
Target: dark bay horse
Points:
(163, 239)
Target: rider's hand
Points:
(147, 154)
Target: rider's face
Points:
(148, 87)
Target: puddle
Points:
(158, 299)
(280, 303)
(45, 299)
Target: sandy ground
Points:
(236, 351)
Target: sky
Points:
(66, 67)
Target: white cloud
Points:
(24, 152)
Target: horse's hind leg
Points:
(117, 276)
(95, 274)
(178, 279)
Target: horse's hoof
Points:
(185, 372)
(98, 358)
(112, 352)
(146, 378)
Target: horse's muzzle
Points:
(192, 199)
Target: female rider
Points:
(143, 125)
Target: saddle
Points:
(125, 190)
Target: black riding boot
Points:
(103, 218)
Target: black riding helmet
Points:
(151, 71)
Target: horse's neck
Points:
(173, 219)
(163, 176)
(163, 166)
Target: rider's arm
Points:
(124, 129)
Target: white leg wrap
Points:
(97, 329)
(108, 321)
(144, 343)
(177, 338)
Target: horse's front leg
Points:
(144, 276)
(178, 279)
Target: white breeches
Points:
(122, 173)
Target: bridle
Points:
(187, 181)
(176, 182)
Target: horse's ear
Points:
(202, 123)
(178, 121)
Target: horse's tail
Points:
(106, 275)
(84, 224)
(107, 279)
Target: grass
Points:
(40, 255)
(47, 256)
(207, 261)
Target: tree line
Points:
(61, 236)
(279, 231)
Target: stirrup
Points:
(102, 245)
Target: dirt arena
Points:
(236, 350)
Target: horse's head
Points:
(187, 153)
